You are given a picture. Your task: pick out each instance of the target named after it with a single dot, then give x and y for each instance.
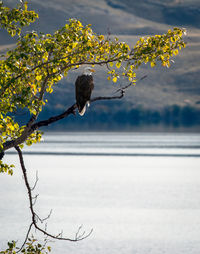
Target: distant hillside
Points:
(119, 17)
(130, 19)
(171, 12)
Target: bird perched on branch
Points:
(83, 88)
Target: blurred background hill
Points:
(168, 99)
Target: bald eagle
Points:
(84, 86)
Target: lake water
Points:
(139, 192)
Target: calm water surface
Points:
(139, 192)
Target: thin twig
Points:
(36, 181)
(26, 238)
(46, 218)
(35, 199)
(130, 84)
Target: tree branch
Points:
(26, 238)
(1, 155)
(69, 111)
(78, 236)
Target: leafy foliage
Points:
(32, 246)
(5, 168)
(39, 61)
(14, 19)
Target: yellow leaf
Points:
(175, 52)
(79, 23)
(101, 37)
(74, 44)
(118, 65)
(49, 90)
(45, 56)
(152, 64)
(10, 126)
(142, 39)
(115, 79)
(108, 78)
(146, 60)
(38, 77)
(162, 58)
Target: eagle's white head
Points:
(88, 71)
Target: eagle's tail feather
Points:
(82, 111)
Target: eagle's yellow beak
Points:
(92, 70)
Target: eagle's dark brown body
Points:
(84, 86)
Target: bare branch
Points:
(46, 218)
(130, 84)
(36, 181)
(26, 182)
(80, 235)
(53, 119)
(35, 217)
(78, 231)
(26, 238)
(122, 92)
(35, 199)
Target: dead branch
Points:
(78, 236)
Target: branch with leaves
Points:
(71, 110)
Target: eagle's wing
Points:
(84, 86)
